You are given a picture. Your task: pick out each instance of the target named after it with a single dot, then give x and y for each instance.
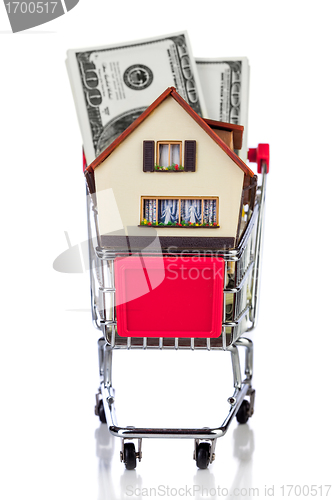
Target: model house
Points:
(176, 172)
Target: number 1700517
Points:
(31, 7)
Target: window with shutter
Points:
(190, 156)
(148, 156)
(169, 156)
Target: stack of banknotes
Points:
(112, 85)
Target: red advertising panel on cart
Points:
(169, 296)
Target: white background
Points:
(52, 445)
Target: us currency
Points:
(225, 84)
(113, 85)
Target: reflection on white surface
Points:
(105, 451)
(243, 447)
(243, 451)
(205, 480)
(115, 483)
(105, 455)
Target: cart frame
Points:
(247, 259)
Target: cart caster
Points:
(243, 413)
(129, 456)
(203, 455)
(99, 408)
(101, 412)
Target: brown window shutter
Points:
(148, 156)
(190, 156)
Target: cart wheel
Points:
(101, 412)
(129, 456)
(203, 453)
(243, 413)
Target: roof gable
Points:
(204, 124)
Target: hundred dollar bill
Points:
(113, 85)
(225, 84)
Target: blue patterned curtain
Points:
(168, 211)
(149, 210)
(191, 211)
(209, 215)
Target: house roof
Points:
(204, 124)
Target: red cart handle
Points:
(84, 160)
(259, 155)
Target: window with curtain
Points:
(191, 211)
(149, 210)
(168, 156)
(184, 212)
(168, 153)
(168, 211)
(209, 214)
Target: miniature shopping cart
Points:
(239, 295)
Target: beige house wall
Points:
(216, 175)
